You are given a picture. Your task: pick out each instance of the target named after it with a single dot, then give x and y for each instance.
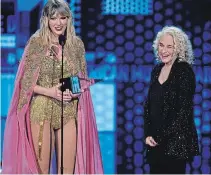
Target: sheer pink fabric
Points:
(18, 152)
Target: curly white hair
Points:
(182, 45)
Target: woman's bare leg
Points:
(44, 160)
(69, 147)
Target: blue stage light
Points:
(129, 34)
(139, 28)
(138, 171)
(169, 22)
(119, 28)
(187, 24)
(129, 22)
(110, 34)
(197, 29)
(197, 52)
(197, 110)
(138, 133)
(138, 146)
(206, 93)
(206, 152)
(158, 6)
(146, 168)
(11, 59)
(190, 35)
(206, 58)
(139, 52)
(178, 6)
(129, 152)
(129, 92)
(129, 57)
(119, 39)
(129, 167)
(138, 109)
(206, 141)
(158, 17)
(8, 41)
(198, 88)
(206, 47)
(92, 45)
(206, 105)
(110, 23)
(148, 46)
(100, 39)
(120, 18)
(196, 163)
(157, 28)
(91, 34)
(206, 36)
(100, 28)
(149, 23)
(119, 51)
(129, 115)
(138, 159)
(169, 1)
(178, 17)
(129, 46)
(197, 41)
(129, 103)
(197, 99)
(139, 87)
(206, 128)
(149, 57)
(128, 139)
(205, 169)
(197, 121)
(129, 126)
(169, 12)
(109, 45)
(139, 40)
(138, 98)
(206, 116)
(148, 34)
(138, 121)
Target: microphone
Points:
(62, 40)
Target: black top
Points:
(176, 134)
(156, 106)
(156, 97)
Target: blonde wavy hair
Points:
(52, 7)
(182, 45)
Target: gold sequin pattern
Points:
(32, 63)
(43, 108)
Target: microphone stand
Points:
(62, 43)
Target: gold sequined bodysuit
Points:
(43, 61)
(43, 108)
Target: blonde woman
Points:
(170, 133)
(33, 128)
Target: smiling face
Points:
(58, 24)
(166, 48)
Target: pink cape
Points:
(18, 151)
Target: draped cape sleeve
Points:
(18, 153)
(18, 150)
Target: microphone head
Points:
(62, 40)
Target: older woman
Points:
(170, 132)
(33, 124)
